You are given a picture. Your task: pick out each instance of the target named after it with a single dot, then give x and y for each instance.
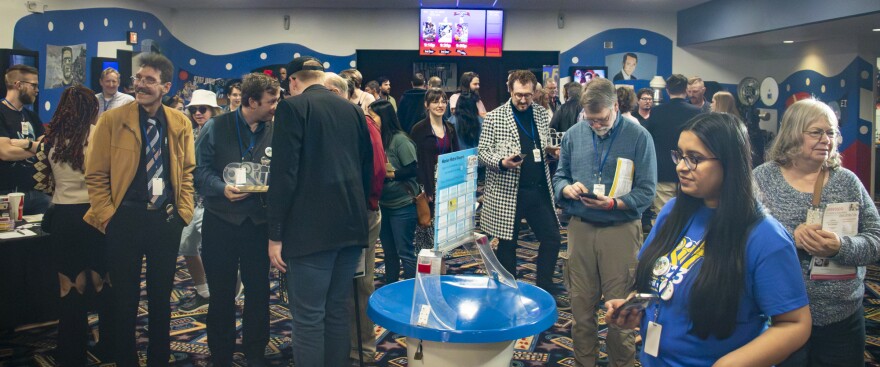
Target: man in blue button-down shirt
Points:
(605, 232)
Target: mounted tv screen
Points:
(460, 32)
(583, 74)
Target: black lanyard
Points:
(238, 131)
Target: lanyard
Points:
(159, 129)
(12, 107)
(669, 278)
(238, 131)
(108, 102)
(601, 166)
(532, 135)
(441, 147)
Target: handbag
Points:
(423, 210)
(44, 178)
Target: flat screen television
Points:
(583, 74)
(461, 32)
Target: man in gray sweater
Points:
(605, 231)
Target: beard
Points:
(25, 98)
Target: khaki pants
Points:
(665, 192)
(365, 288)
(601, 260)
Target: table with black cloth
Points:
(28, 283)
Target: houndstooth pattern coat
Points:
(499, 197)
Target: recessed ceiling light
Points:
(876, 29)
(787, 41)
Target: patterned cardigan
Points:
(499, 200)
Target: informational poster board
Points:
(456, 201)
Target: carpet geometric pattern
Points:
(34, 347)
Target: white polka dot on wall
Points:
(863, 130)
(48, 105)
(51, 26)
(326, 65)
(192, 62)
(353, 63)
(822, 88)
(144, 25)
(864, 74)
(130, 24)
(575, 60)
(263, 56)
(160, 32)
(228, 66)
(82, 26)
(808, 81)
(842, 83)
(788, 87)
(106, 22)
(296, 55)
(643, 41)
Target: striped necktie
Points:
(154, 161)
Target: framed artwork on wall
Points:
(446, 71)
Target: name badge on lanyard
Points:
(25, 129)
(537, 154)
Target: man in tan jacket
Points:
(139, 175)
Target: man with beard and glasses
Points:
(18, 122)
(139, 175)
(605, 231)
(234, 229)
(512, 147)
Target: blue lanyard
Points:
(601, 166)
(532, 135)
(107, 103)
(238, 131)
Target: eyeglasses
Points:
(832, 134)
(520, 96)
(690, 161)
(601, 122)
(646, 99)
(200, 109)
(35, 85)
(148, 81)
(440, 101)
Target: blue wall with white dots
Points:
(91, 26)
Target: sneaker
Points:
(194, 304)
(563, 303)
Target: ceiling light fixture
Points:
(787, 41)
(876, 29)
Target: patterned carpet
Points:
(550, 348)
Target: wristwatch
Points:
(30, 145)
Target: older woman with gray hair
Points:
(801, 183)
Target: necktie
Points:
(154, 161)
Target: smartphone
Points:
(637, 303)
(518, 157)
(589, 195)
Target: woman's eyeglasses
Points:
(690, 161)
(832, 134)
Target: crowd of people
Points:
(728, 266)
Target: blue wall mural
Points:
(91, 26)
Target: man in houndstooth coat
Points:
(512, 147)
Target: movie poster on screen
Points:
(453, 32)
(65, 65)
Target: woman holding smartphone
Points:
(717, 266)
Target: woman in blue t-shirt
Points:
(718, 267)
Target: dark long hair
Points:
(715, 296)
(467, 123)
(389, 125)
(69, 127)
(464, 86)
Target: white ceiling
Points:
(599, 5)
(853, 29)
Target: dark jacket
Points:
(411, 108)
(665, 125)
(567, 116)
(427, 152)
(321, 172)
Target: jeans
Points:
(398, 227)
(320, 287)
(839, 344)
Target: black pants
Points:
(79, 251)
(132, 234)
(839, 344)
(533, 204)
(226, 248)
